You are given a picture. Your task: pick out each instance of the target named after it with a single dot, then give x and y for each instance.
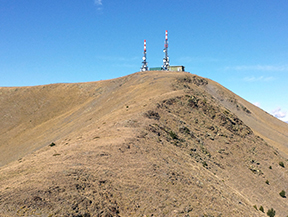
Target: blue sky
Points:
(241, 44)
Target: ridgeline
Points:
(152, 143)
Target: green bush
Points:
(281, 164)
(173, 135)
(52, 144)
(267, 182)
(282, 193)
(271, 212)
(255, 207)
(261, 209)
(204, 164)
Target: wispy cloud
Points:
(273, 68)
(278, 113)
(257, 104)
(259, 78)
(98, 2)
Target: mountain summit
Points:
(153, 143)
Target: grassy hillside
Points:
(151, 143)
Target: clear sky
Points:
(241, 44)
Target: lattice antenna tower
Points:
(144, 63)
(166, 57)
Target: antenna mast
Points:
(166, 58)
(144, 63)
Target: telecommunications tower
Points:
(145, 64)
(166, 58)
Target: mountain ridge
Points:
(150, 143)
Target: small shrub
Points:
(267, 182)
(255, 207)
(282, 193)
(270, 167)
(52, 144)
(281, 164)
(152, 115)
(261, 209)
(173, 135)
(193, 102)
(271, 212)
(184, 129)
(204, 164)
(185, 79)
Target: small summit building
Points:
(176, 68)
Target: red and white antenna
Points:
(144, 63)
(166, 58)
(144, 45)
(166, 38)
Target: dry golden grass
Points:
(151, 143)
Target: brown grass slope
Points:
(151, 143)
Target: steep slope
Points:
(263, 124)
(151, 143)
(36, 116)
